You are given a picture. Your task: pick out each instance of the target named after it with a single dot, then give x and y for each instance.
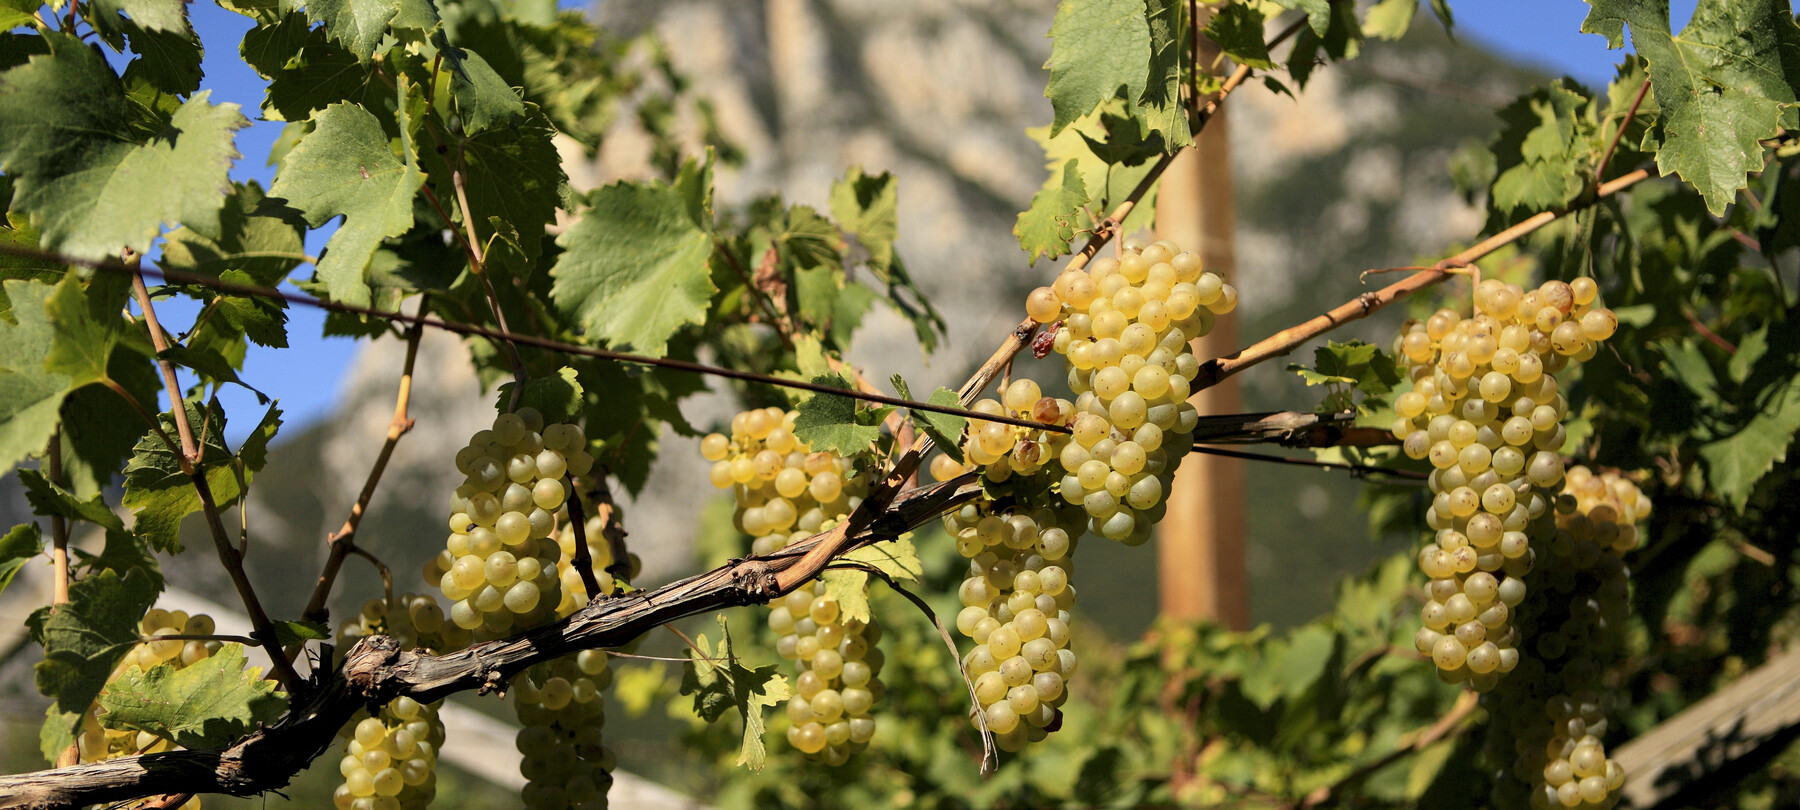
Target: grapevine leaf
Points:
(1318, 13)
(1721, 84)
(84, 333)
(345, 167)
(47, 499)
(160, 493)
(897, 558)
(358, 25)
(1537, 151)
(1735, 463)
(1098, 47)
(718, 682)
(1045, 229)
(299, 632)
(867, 207)
(327, 74)
(558, 397)
(1238, 30)
(258, 236)
(944, 428)
(1390, 19)
(834, 423)
(483, 99)
(91, 189)
(850, 588)
(14, 13)
(85, 638)
(1161, 104)
(18, 547)
(16, 231)
(30, 395)
(202, 706)
(168, 61)
(151, 15)
(511, 172)
(635, 268)
(254, 452)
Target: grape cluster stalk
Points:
(1550, 716)
(785, 492)
(1485, 409)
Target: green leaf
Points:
(833, 423)
(254, 452)
(158, 491)
(851, 590)
(1734, 464)
(635, 268)
(944, 428)
(1045, 229)
(511, 172)
(898, 558)
(1318, 13)
(30, 395)
(99, 427)
(1161, 103)
(557, 397)
(85, 638)
(483, 99)
(358, 25)
(307, 71)
(1098, 48)
(1390, 19)
(1539, 152)
(14, 13)
(84, 333)
(202, 706)
(168, 61)
(151, 15)
(18, 547)
(259, 237)
(345, 167)
(47, 499)
(16, 232)
(1721, 84)
(867, 207)
(291, 633)
(1238, 31)
(718, 682)
(90, 186)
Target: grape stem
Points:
(1213, 371)
(189, 457)
(584, 559)
(343, 541)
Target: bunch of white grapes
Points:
(95, 742)
(1016, 602)
(1126, 324)
(1001, 449)
(566, 764)
(499, 566)
(414, 620)
(839, 669)
(1486, 411)
(390, 760)
(784, 491)
(1550, 717)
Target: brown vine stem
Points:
(584, 559)
(1286, 340)
(343, 541)
(189, 454)
(1449, 725)
(375, 670)
(1630, 115)
(229, 555)
(612, 528)
(478, 266)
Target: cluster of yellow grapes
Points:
(838, 681)
(95, 742)
(1001, 449)
(784, 491)
(1486, 411)
(566, 764)
(390, 761)
(1016, 602)
(1126, 327)
(1578, 605)
(499, 566)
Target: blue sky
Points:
(306, 377)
